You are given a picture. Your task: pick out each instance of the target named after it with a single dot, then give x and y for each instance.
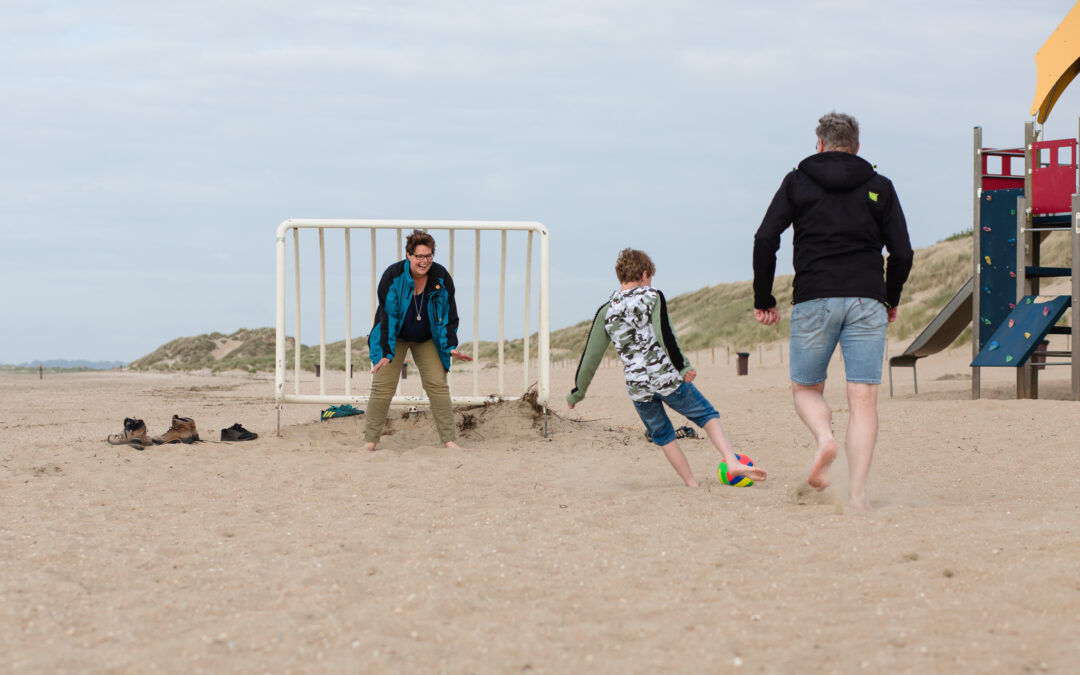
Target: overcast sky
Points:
(150, 150)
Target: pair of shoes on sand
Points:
(238, 433)
(681, 432)
(182, 430)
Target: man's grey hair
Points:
(838, 131)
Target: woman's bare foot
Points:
(453, 446)
(369, 446)
(819, 472)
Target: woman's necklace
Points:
(419, 306)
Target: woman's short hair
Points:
(419, 238)
(838, 131)
(631, 264)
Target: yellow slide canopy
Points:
(1056, 63)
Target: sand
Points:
(582, 552)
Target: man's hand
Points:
(690, 375)
(891, 313)
(378, 366)
(767, 317)
(460, 356)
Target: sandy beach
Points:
(582, 552)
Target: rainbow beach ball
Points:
(736, 481)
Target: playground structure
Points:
(1016, 207)
(1014, 213)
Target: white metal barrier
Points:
(543, 360)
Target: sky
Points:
(150, 150)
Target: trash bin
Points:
(1038, 357)
(743, 365)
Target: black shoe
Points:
(238, 433)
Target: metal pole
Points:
(279, 307)
(544, 366)
(1074, 324)
(976, 230)
(525, 339)
(502, 310)
(322, 312)
(374, 282)
(348, 313)
(476, 321)
(296, 345)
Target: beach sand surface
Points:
(579, 552)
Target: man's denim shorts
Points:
(686, 400)
(858, 324)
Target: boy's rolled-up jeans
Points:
(686, 400)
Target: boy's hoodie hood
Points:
(837, 171)
(632, 306)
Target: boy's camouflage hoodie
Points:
(636, 321)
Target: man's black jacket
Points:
(844, 213)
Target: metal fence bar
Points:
(348, 314)
(296, 347)
(528, 310)
(476, 321)
(322, 312)
(531, 228)
(502, 310)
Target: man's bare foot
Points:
(859, 503)
(369, 446)
(453, 446)
(739, 469)
(819, 472)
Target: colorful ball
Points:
(736, 481)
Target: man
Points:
(843, 214)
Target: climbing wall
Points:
(1025, 327)
(997, 269)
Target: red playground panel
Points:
(1053, 176)
(1005, 171)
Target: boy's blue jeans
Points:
(686, 400)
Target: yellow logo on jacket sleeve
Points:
(873, 196)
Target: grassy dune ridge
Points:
(713, 316)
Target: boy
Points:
(635, 319)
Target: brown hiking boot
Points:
(182, 431)
(134, 435)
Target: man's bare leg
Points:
(735, 468)
(861, 437)
(815, 413)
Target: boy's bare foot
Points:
(453, 446)
(369, 446)
(739, 469)
(819, 472)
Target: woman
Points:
(416, 313)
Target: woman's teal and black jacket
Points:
(395, 295)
